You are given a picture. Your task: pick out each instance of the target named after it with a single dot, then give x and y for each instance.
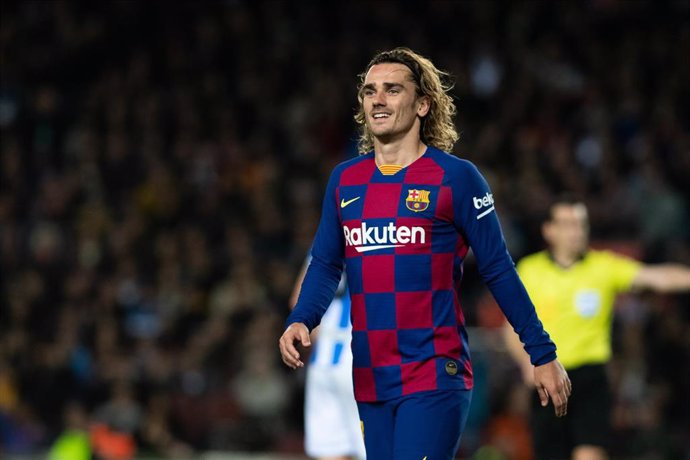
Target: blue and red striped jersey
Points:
(402, 239)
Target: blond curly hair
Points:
(438, 128)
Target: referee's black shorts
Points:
(588, 420)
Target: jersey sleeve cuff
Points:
(296, 319)
(547, 358)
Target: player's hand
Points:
(552, 382)
(296, 332)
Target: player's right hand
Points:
(296, 332)
(553, 383)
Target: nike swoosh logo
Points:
(344, 203)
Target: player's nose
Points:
(380, 99)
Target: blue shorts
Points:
(425, 425)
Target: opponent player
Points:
(331, 422)
(403, 216)
(574, 289)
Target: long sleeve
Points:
(326, 266)
(477, 221)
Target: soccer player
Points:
(331, 421)
(401, 217)
(574, 289)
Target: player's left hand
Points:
(553, 383)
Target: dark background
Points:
(161, 172)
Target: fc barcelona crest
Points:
(417, 200)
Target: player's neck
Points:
(401, 152)
(565, 259)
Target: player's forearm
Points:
(513, 299)
(326, 265)
(498, 272)
(478, 222)
(318, 289)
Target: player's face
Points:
(568, 229)
(391, 105)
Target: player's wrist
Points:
(297, 324)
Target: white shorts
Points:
(331, 422)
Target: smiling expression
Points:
(391, 104)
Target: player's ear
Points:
(423, 106)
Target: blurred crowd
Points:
(161, 173)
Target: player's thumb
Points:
(304, 337)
